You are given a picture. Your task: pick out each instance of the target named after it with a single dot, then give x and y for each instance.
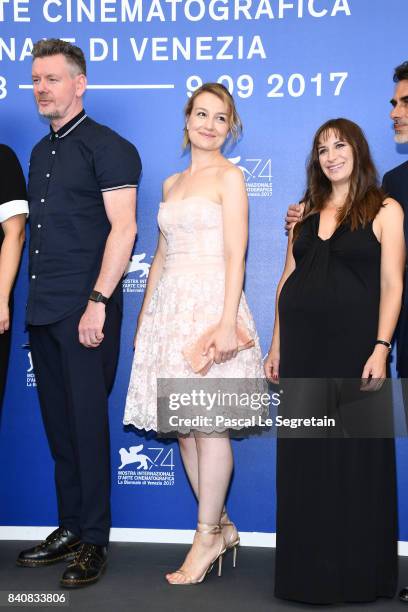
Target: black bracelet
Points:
(385, 343)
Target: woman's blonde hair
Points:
(235, 124)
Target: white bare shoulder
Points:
(169, 182)
(232, 176)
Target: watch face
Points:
(96, 296)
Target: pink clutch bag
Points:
(201, 364)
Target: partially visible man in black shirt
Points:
(395, 183)
(82, 198)
(13, 212)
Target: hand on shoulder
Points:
(391, 203)
(389, 221)
(391, 211)
(294, 214)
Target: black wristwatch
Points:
(96, 296)
(384, 343)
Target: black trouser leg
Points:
(81, 445)
(57, 418)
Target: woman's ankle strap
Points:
(206, 528)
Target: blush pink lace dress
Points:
(188, 299)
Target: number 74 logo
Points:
(254, 168)
(162, 458)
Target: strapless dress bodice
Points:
(193, 231)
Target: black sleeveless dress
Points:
(336, 498)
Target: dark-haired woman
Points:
(13, 212)
(338, 303)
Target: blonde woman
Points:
(195, 284)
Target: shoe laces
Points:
(84, 554)
(53, 537)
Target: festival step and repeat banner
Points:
(290, 65)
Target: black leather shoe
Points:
(404, 595)
(60, 545)
(86, 568)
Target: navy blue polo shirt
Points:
(69, 172)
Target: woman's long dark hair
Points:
(364, 198)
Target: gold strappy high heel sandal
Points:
(204, 529)
(231, 542)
